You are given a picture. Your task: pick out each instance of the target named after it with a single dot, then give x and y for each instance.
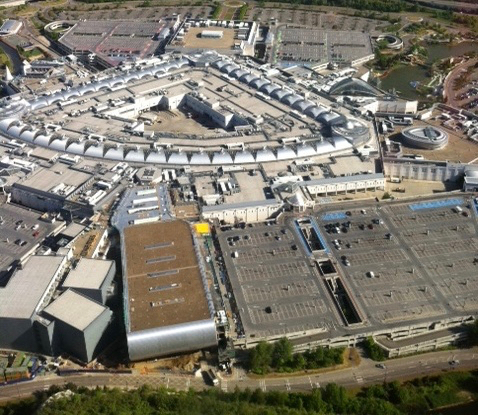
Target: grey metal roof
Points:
(89, 273)
(27, 287)
(75, 309)
(175, 339)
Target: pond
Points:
(401, 77)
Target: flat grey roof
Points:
(75, 309)
(45, 179)
(26, 288)
(73, 230)
(89, 273)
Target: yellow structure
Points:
(202, 228)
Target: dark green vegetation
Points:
(373, 350)
(414, 397)
(243, 11)
(278, 357)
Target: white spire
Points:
(8, 74)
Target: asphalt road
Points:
(365, 374)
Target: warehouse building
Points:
(79, 324)
(28, 291)
(92, 278)
(168, 307)
(48, 189)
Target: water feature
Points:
(14, 57)
(401, 77)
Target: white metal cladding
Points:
(179, 338)
(237, 73)
(115, 153)
(200, 158)
(156, 157)
(259, 83)
(269, 88)
(178, 158)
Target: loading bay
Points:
(373, 270)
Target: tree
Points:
(336, 397)
(282, 354)
(261, 358)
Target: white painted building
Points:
(346, 184)
(243, 212)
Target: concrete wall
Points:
(416, 170)
(17, 333)
(251, 214)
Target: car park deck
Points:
(399, 268)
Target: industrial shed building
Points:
(168, 307)
(92, 277)
(79, 324)
(27, 291)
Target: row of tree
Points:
(278, 357)
(415, 397)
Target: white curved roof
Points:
(220, 64)
(269, 88)
(42, 140)
(228, 68)
(247, 78)
(15, 130)
(222, 158)
(178, 158)
(95, 151)
(4, 124)
(291, 99)
(237, 73)
(303, 105)
(259, 83)
(136, 155)
(58, 144)
(39, 103)
(76, 148)
(244, 157)
(28, 135)
(115, 153)
(304, 150)
(265, 155)
(156, 157)
(285, 153)
(200, 159)
(279, 94)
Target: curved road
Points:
(365, 374)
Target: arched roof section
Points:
(265, 155)
(285, 153)
(222, 158)
(269, 88)
(243, 157)
(259, 83)
(157, 157)
(115, 153)
(95, 151)
(200, 159)
(178, 158)
(136, 155)
(76, 148)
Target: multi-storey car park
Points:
(404, 273)
(238, 113)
